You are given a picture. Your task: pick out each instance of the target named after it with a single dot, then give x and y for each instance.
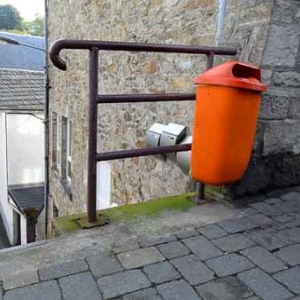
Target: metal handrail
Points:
(62, 44)
(95, 99)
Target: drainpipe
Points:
(220, 20)
(46, 121)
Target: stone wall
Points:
(248, 26)
(276, 158)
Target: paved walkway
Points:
(253, 257)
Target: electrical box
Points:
(153, 135)
(172, 135)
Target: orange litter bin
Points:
(227, 106)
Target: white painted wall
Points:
(103, 185)
(23, 159)
(23, 230)
(5, 207)
(25, 149)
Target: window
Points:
(61, 147)
(55, 211)
(69, 163)
(66, 158)
(56, 158)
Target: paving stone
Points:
(272, 201)
(64, 269)
(261, 219)
(173, 249)
(269, 240)
(186, 233)
(212, 231)
(290, 278)
(118, 284)
(229, 264)
(202, 247)
(237, 225)
(103, 264)
(233, 243)
(148, 294)
(40, 291)
(79, 286)
(291, 196)
(19, 279)
(161, 272)
(264, 259)
(290, 255)
(264, 285)
(193, 270)
(177, 290)
(289, 220)
(140, 257)
(292, 235)
(266, 209)
(153, 241)
(286, 207)
(228, 288)
(249, 211)
(124, 248)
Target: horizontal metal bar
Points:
(111, 155)
(59, 45)
(125, 98)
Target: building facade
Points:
(265, 33)
(21, 154)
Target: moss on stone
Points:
(130, 211)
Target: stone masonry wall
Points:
(276, 158)
(248, 26)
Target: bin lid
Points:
(233, 74)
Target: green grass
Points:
(131, 211)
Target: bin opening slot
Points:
(243, 71)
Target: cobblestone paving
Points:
(254, 257)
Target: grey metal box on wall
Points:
(172, 135)
(153, 135)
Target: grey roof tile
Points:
(22, 89)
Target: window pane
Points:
(54, 138)
(70, 139)
(69, 169)
(64, 136)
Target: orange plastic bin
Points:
(227, 106)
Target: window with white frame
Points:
(69, 147)
(56, 157)
(66, 158)
(61, 146)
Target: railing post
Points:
(92, 151)
(200, 185)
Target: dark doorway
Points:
(30, 230)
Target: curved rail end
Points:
(54, 54)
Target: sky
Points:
(27, 8)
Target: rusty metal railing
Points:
(94, 99)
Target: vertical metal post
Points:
(200, 185)
(92, 151)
